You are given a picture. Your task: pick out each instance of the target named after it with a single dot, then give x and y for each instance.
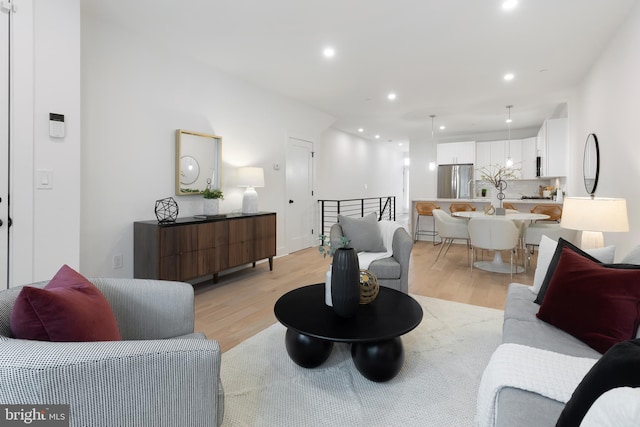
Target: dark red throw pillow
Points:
(69, 308)
(597, 304)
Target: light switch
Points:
(44, 179)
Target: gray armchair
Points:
(151, 378)
(392, 272)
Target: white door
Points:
(5, 16)
(300, 204)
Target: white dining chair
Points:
(494, 234)
(535, 231)
(450, 229)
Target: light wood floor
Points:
(241, 304)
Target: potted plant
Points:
(212, 199)
(328, 249)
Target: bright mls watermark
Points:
(34, 415)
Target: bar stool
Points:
(426, 209)
(554, 212)
(509, 206)
(460, 207)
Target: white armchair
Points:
(148, 379)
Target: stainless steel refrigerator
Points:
(455, 181)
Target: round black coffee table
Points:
(374, 333)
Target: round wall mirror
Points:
(591, 163)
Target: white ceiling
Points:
(442, 57)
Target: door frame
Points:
(21, 123)
(6, 28)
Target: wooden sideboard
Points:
(190, 248)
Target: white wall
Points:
(46, 69)
(57, 90)
(349, 167)
(422, 180)
(134, 96)
(607, 103)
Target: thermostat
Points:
(56, 125)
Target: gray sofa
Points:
(392, 272)
(148, 379)
(521, 326)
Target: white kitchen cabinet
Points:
(557, 147)
(490, 154)
(552, 146)
(528, 155)
(456, 153)
(513, 148)
(498, 153)
(483, 158)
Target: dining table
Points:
(497, 265)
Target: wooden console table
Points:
(194, 247)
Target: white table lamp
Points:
(250, 177)
(593, 216)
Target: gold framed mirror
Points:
(198, 162)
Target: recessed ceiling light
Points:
(508, 120)
(329, 52)
(442, 127)
(391, 96)
(377, 136)
(508, 77)
(509, 4)
(360, 130)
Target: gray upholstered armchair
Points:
(392, 272)
(151, 378)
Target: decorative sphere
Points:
(369, 287)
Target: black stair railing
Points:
(383, 207)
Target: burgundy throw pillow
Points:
(597, 304)
(69, 308)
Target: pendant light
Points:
(432, 163)
(509, 162)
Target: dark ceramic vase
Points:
(345, 282)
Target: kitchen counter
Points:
(479, 203)
(522, 201)
(483, 200)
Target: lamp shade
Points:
(250, 177)
(597, 214)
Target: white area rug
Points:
(437, 386)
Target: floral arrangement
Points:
(497, 174)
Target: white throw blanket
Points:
(387, 229)
(550, 374)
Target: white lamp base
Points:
(591, 240)
(250, 201)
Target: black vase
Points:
(345, 282)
